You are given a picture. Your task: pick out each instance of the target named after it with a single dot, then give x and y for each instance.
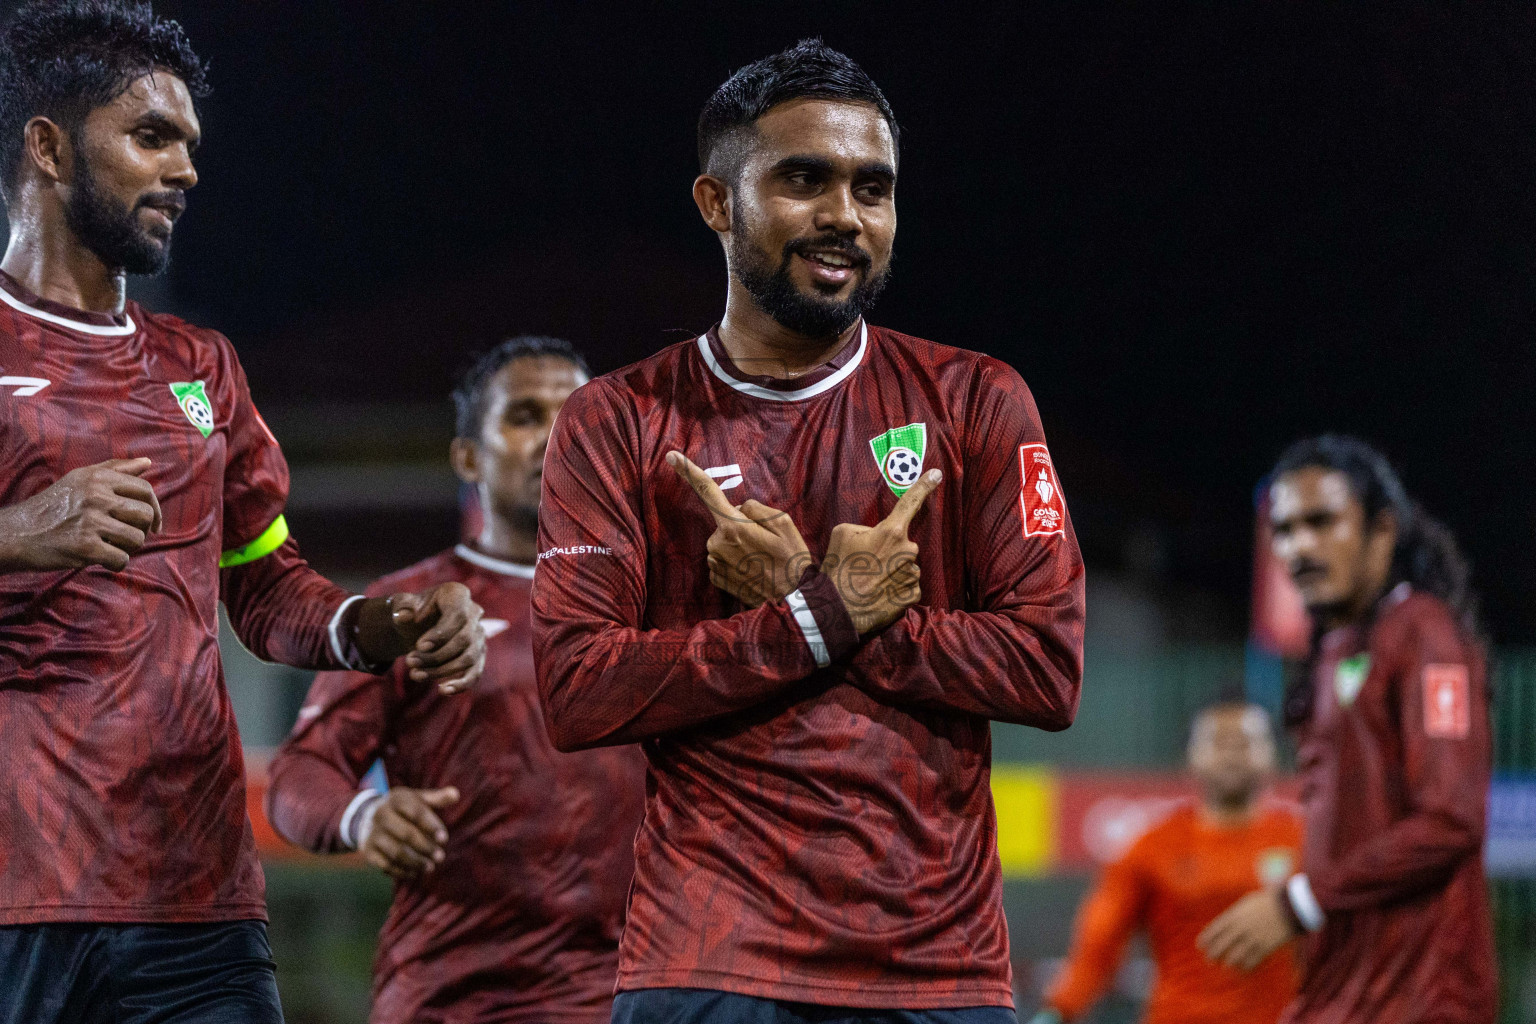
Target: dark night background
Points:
(1197, 233)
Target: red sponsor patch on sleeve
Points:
(1447, 702)
(1041, 505)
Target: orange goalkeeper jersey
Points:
(1172, 883)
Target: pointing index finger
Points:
(708, 491)
(909, 503)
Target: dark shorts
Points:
(138, 974)
(707, 1006)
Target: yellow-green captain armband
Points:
(270, 540)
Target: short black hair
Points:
(61, 59)
(469, 396)
(810, 68)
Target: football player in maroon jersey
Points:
(511, 861)
(138, 488)
(1395, 755)
(805, 560)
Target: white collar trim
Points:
(115, 331)
(496, 565)
(758, 391)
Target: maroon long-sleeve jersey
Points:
(1395, 763)
(521, 921)
(819, 823)
(123, 795)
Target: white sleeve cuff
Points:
(337, 648)
(808, 628)
(357, 819)
(1299, 891)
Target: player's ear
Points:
(464, 454)
(713, 198)
(47, 148)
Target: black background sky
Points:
(1197, 232)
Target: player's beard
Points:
(776, 293)
(111, 230)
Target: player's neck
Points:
(46, 258)
(1355, 611)
(1219, 814)
(500, 539)
(759, 344)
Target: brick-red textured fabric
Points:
(124, 794)
(521, 921)
(825, 835)
(1395, 822)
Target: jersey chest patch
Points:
(1349, 678)
(1274, 866)
(194, 404)
(899, 454)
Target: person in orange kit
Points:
(1182, 874)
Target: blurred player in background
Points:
(1395, 756)
(135, 469)
(511, 861)
(819, 827)
(1184, 872)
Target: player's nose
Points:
(180, 171)
(839, 211)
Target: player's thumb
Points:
(436, 798)
(409, 611)
(132, 467)
(908, 505)
(763, 515)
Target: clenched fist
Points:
(437, 631)
(401, 834)
(94, 515)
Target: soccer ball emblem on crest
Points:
(194, 405)
(903, 466)
(199, 413)
(899, 454)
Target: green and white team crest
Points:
(1275, 866)
(899, 454)
(1349, 677)
(194, 402)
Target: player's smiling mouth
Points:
(831, 267)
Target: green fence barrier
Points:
(1514, 899)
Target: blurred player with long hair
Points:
(138, 488)
(1184, 872)
(511, 861)
(804, 560)
(1395, 757)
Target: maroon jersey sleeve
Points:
(1016, 654)
(314, 777)
(255, 472)
(605, 678)
(279, 607)
(282, 610)
(1444, 730)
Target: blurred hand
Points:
(94, 515)
(1248, 931)
(875, 567)
(756, 553)
(437, 631)
(402, 835)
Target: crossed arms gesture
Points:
(757, 555)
